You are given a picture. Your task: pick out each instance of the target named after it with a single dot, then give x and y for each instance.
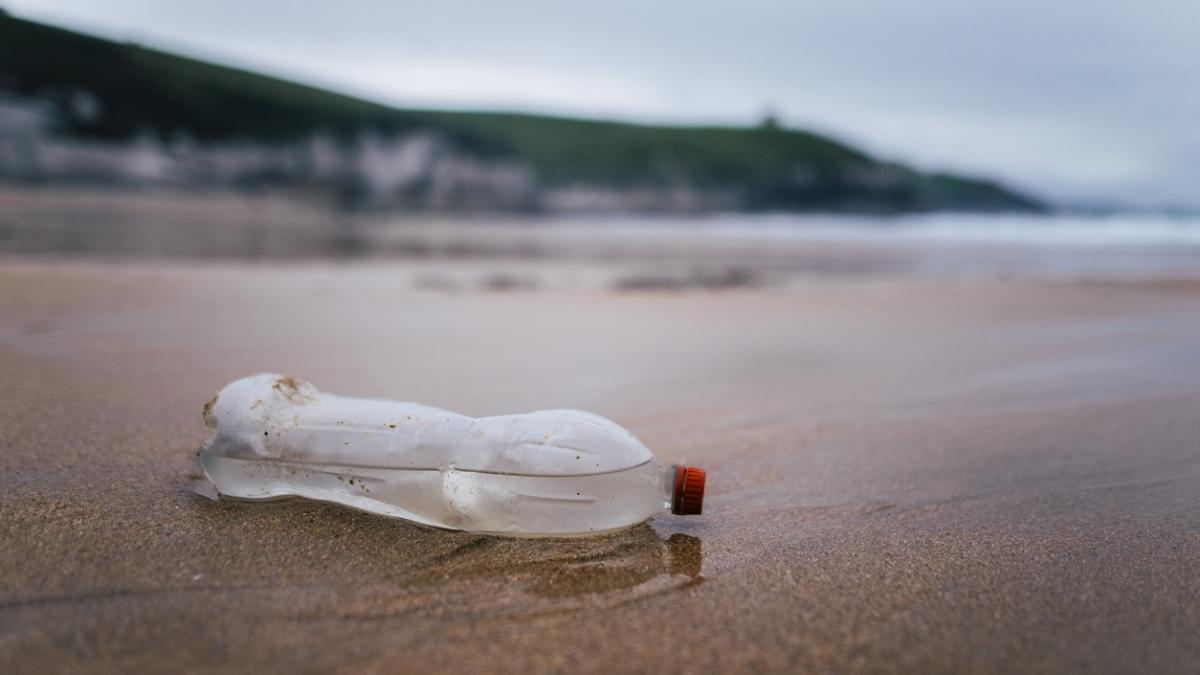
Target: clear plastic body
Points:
(549, 473)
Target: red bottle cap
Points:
(688, 499)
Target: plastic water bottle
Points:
(551, 472)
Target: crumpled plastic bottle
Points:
(545, 473)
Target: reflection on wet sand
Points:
(619, 566)
(636, 562)
(513, 576)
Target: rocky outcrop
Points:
(419, 170)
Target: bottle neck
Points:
(687, 490)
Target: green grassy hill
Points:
(141, 90)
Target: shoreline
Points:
(588, 252)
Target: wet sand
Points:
(904, 476)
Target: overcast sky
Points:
(1072, 99)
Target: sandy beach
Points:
(904, 475)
